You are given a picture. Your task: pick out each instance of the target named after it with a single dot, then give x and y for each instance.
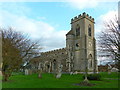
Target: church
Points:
(79, 53)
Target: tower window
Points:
(89, 30)
(77, 30)
(77, 45)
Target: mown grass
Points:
(0, 81)
(66, 81)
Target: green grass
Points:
(0, 82)
(66, 81)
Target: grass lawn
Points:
(0, 82)
(66, 81)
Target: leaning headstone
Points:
(26, 71)
(75, 72)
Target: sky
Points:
(49, 20)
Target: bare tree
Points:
(17, 49)
(109, 40)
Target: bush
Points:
(93, 77)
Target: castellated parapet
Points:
(54, 51)
(84, 15)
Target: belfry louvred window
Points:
(89, 30)
(77, 30)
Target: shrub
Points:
(93, 77)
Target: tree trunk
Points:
(6, 76)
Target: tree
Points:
(11, 58)
(109, 40)
(17, 49)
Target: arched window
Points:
(48, 66)
(54, 64)
(77, 30)
(90, 61)
(89, 30)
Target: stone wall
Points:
(50, 61)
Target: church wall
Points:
(47, 60)
(70, 48)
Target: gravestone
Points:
(58, 75)
(71, 73)
(39, 73)
(59, 71)
(114, 69)
(109, 68)
(75, 72)
(26, 71)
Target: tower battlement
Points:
(84, 15)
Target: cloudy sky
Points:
(49, 21)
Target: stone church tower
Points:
(80, 44)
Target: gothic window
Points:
(77, 30)
(90, 61)
(54, 64)
(89, 30)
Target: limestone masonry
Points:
(79, 53)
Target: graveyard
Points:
(60, 46)
(48, 80)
